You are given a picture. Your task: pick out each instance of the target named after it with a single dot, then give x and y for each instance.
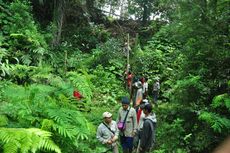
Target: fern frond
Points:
(26, 59)
(227, 103)
(221, 101)
(217, 122)
(65, 130)
(39, 50)
(25, 140)
(217, 101)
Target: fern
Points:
(26, 140)
(221, 101)
(82, 83)
(44, 106)
(217, 122)
(69, 123)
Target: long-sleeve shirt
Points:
(104, 134)
(148, 132)
(131, 121)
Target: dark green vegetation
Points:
(48, 48)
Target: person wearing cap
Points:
(107, 132)
(127, 114)
(140, 122)
(147, 137)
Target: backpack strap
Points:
(108, 128)
(127, 114)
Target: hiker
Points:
(156, 90)
(145, 88)
(138, 92)
(140, 121)
(129, 80)
(147, 136)
(127, 124)
(107, 133)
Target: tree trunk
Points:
(58, 19)
(145, 14)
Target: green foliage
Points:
(108, 86)
(26, 140)
(82, 83)
(218, 123)
(221, 101)
(108, 53)
(87, 37)
(189, 90)
(190, 55)
(218, 118)
(34, 106)
(3, 120)
(22, 40)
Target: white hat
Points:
(106, 114)
(145, 101)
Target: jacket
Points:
(148, 134)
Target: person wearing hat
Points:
(107, 132)
(140, 122)
(127, 116)
(147, 137)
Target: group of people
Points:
(135, 125)
(136, 128)
(138, 88)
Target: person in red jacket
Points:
(129, 79)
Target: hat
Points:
(125, 100)
(143, 103)
(106, 114)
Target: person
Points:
(147, 137)
(138, 92)
(156, 90)
(127, 115)
(140, 121)
(107, 133)
(145, 88)
(129, 80)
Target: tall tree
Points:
(58, 19)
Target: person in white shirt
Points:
(145, 88)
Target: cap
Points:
(143, 103)
(106, 114)
(125, 100)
